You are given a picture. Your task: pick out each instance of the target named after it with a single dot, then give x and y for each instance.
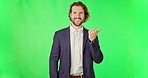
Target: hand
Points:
(93, 33)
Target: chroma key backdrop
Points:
(27, 28)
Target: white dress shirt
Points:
(76, 40)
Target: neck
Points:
(76, 27)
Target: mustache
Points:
(78, 18)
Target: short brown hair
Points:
(86, 13)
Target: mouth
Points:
(77, 19)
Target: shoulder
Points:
(62, 31)
(85, 30)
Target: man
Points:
(75, 47)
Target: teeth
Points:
(77, 19)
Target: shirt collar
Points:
(73, 30)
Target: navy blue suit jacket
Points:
(61, 51)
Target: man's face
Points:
(77, 15)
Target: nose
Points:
(78, 15)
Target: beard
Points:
(77, 21)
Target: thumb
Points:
(99, 30)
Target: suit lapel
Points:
(85, 37)
(67, 38)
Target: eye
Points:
(74, 12)
(81, 12)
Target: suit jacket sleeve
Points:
(54, 57)
(95, 51)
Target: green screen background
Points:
(27, 28)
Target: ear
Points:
(70, 14)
